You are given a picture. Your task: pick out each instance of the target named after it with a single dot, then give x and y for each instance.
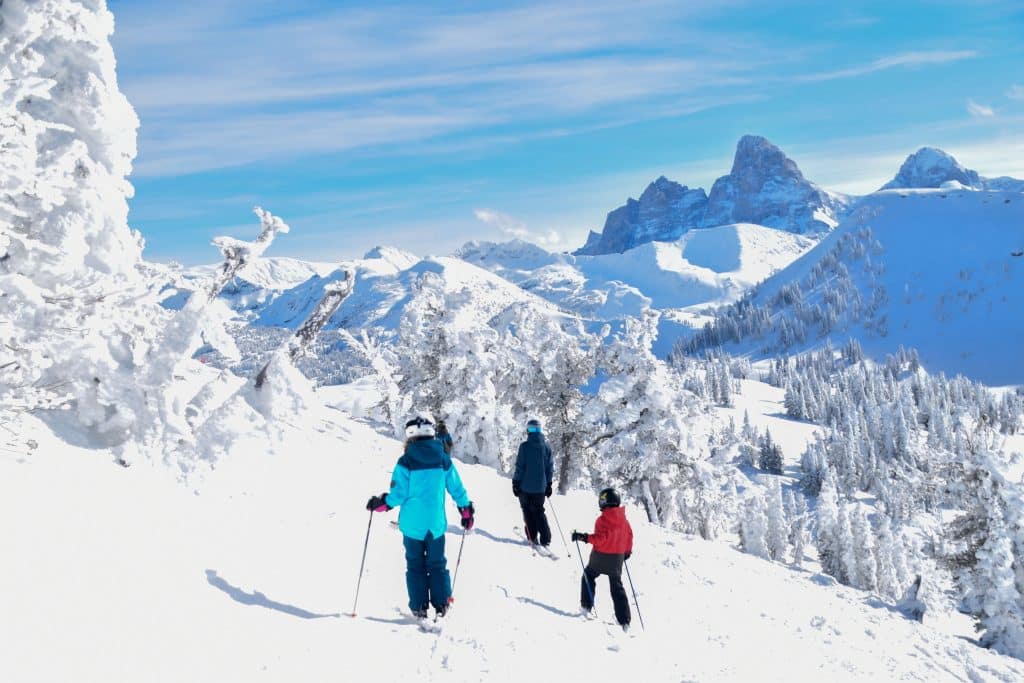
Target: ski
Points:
(428, 625)
(538, 549)
(425, 624)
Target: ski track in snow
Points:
(121, 574)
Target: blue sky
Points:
(423, 125)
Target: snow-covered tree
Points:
(890, 562)
(754, 526)
(845, 550)
(646, 430)
(863, 550)
(549, 360)
(77, 309)
(798, 536)
(1001, 618)
(827, 528)
(777, 533)
(769, 455)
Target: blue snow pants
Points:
(426, 573)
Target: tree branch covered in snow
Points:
(334, 294)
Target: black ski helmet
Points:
(608, 498)
(533, 425)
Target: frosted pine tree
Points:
(78, 309)
(844, 548)
(863, 549)
(547, 362)
(646, 431)
(798, 536)
(890, 564)
(754, 526)
(1002, 607)
(777, 532)
(827, 528)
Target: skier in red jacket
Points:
(612, 541)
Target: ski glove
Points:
(515, 488)
(467, 516)
(580, 536)
(629, 554)
(547, 491)
(378, 503)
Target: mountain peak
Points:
(931, 167)
(757, 159)
(663, 213)
(766, 187)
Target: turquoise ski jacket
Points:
(418, 484)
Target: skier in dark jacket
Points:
(612, 541)
(531, 483)
(418, 484)
(444, 437)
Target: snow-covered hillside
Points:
(259, 283)
(941, 271)
(714, 265)
(121, 574)
(384, 287)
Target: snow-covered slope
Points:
(713, 265)
(252, 576)
(259, 283)
(929, 167)
(384, 287)
(941, 271)
(764, 187)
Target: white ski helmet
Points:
(421, 425)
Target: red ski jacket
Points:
(612, 533)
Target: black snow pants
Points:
(535, 518)
(610, 566)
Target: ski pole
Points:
(632, 588)
(590, 592)
(458, 561)
(560, 532)
(362, 564)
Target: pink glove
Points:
(381, 508)
(467, 516)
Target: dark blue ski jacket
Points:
(534, 464)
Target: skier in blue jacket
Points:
(531, 483)
(418, 485)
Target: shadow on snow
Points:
(260, 600)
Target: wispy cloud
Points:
(979, 110)
(243, 82)
(905, 59)
(1015, 92)
(511, 227)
